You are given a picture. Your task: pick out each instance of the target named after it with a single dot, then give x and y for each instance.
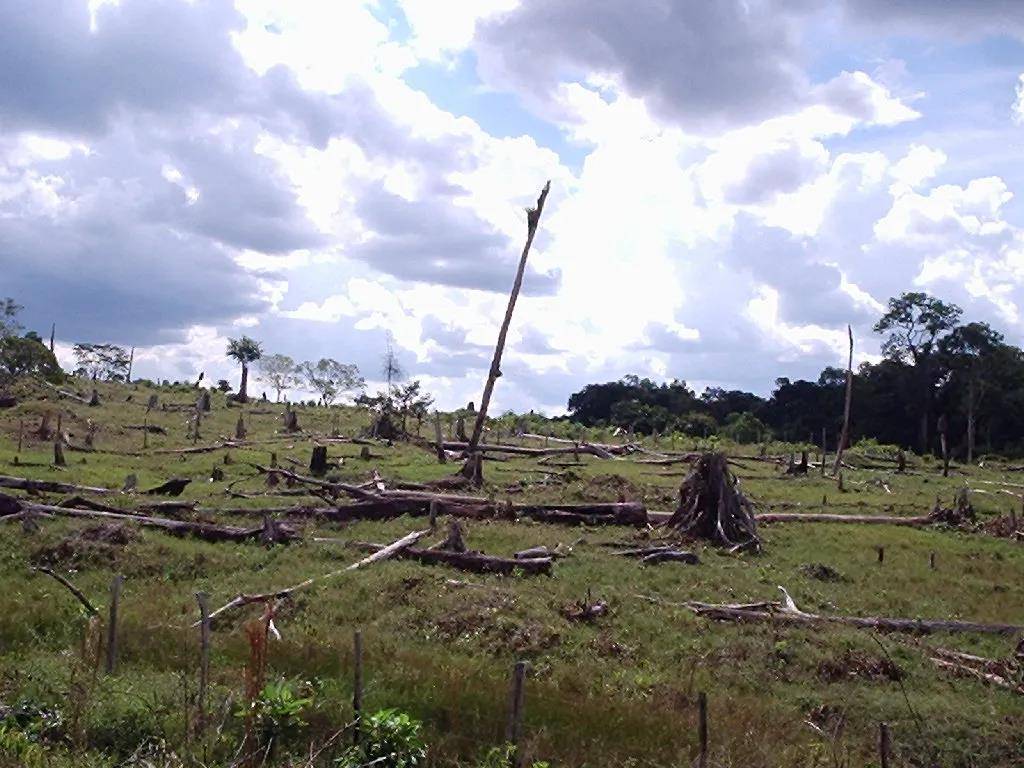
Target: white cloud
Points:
(1017, 109)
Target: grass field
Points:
(440, 644)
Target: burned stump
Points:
(711, 506)
(318, 461)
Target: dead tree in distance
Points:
(532, 219)
(845, 435)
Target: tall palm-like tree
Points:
(245, 351)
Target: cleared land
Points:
(619, 689)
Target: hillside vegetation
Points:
(617, 686)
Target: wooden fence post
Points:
(931, 560)
(204, 656)
(881, 554)
(884, 745)
(21, 433)
(702, 729)
(513, 729)
(115, 599)
(357, 686)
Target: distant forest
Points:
(937, 374)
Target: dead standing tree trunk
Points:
(711, 507)
(532, 220)
(845, 435)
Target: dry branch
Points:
(71, 588)
(474, 562)
(381, 554)
(788, 613)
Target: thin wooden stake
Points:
(513, 729)
(931, 560)
(115, 599)
(702, 729)
(357, 687)
(204, 656)
(824, 451)
(881, 554)
(884, 745)
(21, 433)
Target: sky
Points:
(732, 183)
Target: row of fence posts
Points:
(517, 689)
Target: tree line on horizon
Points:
(937, 375)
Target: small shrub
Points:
(390, 739)
(277, 712)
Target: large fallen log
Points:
(47, 486)
(816, 517)
(474, 562)
(520, 450)
(205, 531)
(616, 513)
(265, 597)
(787, 613)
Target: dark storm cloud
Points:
(156, 91)
(953, 18)
(158, 56)
(437, 241)
(122, 281)
(704, 64)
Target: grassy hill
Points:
(440, 644)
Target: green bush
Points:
(389, 739)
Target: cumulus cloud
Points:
(701, 64)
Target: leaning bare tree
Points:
(532, 219)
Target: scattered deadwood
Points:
(79, 595)
(382, 554)
(1005, 673)
(787, 613)
(711, 506)
(205, 531)
(660, 554)
(816, 517)
(615, 513)
(65, 393)
(48, 486)
(519, 450)
(474, 562)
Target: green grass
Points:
(620, 691)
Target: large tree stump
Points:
(473, 469)
(58, 454)
(711, 507)
(318, 461)
(240, 428)
(204, 401)
(95, 399)
(291, 421)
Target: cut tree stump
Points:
(712, 508)
(318, 461)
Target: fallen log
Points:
(206, 531)
(815, 517)
(65, 393)
(787, 613)
(615, 513)
(153, 429)
(48, 486)
(382, 554)
(474, 562)
(520, 450)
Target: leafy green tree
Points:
(27, 356)
(410, 402)
(279, 372)
(744, 428)
(106, 362)
(331, 379)
(245, 350)
(914, 324)
(970, 352)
